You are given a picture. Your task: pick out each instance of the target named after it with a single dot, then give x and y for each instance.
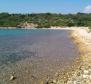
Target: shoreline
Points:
(29, 69)
(54, 28)
(80, 72)
(82, 39)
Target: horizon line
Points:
(43, 13)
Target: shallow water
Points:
(33, 56)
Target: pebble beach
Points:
(80, 73)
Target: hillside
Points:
(44, 20)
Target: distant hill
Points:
(44, 20)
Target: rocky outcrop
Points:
(27, 25)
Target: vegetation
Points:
(45, 19)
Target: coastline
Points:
(54, 28)
(82, 39)
(16, 70)
(80, 72)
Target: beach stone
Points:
(12, 77)
(41, 82)
(85, 76)
(86, 71)
(76, 82)
(90, 77)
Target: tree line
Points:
(45, 20)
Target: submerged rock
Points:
(12, 77)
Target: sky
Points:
(43, 6)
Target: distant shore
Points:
(67, 28)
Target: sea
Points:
(33, 56)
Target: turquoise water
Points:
(12, 41)
(34, 55)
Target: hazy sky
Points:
(41, 6)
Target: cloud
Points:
(87, 9)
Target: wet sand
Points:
(51, 56)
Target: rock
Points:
(12, 77)
(51, 82)
(90, 77)
(27, 25)
(27, 71)
(54, 81)
(86, 71)
(85, 76)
